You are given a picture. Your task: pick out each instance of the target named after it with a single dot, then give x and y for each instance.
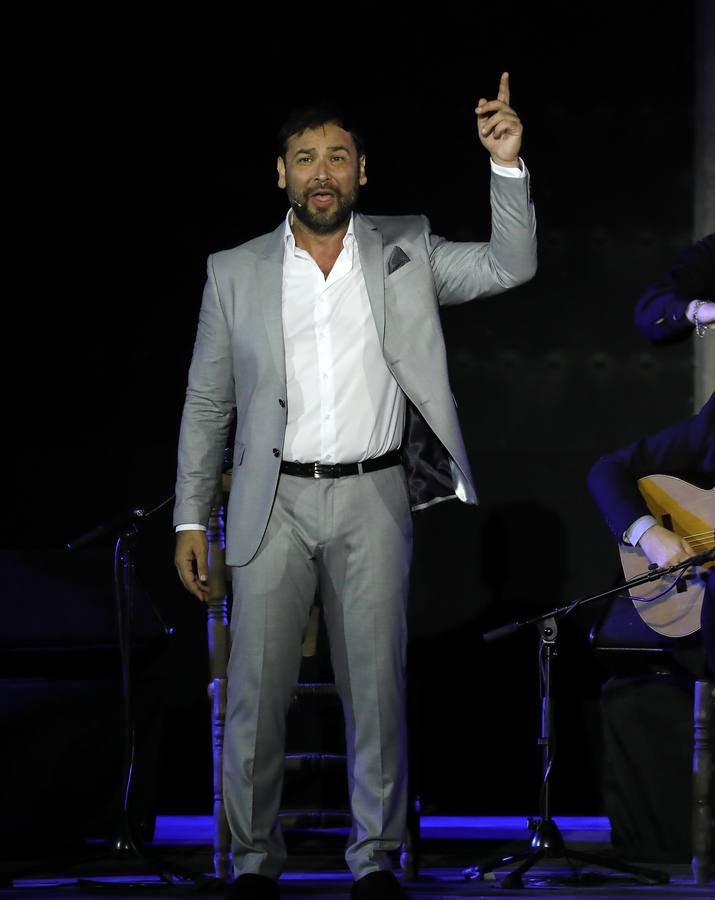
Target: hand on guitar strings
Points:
(663, 547)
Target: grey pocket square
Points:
(397, 260)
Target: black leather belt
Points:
(340, 470)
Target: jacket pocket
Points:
(414, 265)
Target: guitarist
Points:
(685, 450)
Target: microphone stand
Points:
(546, 839)
(653, 574)
(126, 528)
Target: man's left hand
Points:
(499, 127)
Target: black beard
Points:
(324, 224)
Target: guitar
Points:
(671, 605)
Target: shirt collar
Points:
(289, 237)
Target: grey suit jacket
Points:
(238, 364)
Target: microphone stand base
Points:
(547, 843)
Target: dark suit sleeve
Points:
(686, 450)
(659, 313)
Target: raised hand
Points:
(499, 127)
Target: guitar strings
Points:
(707, 535)
(699, 542)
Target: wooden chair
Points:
(218, 646)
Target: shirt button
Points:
(276, 451)
(281, 403)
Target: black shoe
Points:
(381, 885)
(253, 887)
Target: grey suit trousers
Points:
(350, 539)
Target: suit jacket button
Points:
(276, 451)
(281, 403)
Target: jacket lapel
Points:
(270, 278)
(369, 240)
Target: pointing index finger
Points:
(503, 94)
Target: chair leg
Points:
(218, 647)
(702, 781)
(221, 834)
(410, 851)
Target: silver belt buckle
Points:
(320, 470)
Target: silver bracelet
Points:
(699, 329)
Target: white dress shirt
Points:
(343, 403)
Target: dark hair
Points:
(313, 116)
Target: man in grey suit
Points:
(323, 338)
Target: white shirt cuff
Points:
(635, 532)
(190, 528)
(509, 171)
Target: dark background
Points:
(143, 145)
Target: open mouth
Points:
(322, 198)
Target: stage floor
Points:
(449, 845)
